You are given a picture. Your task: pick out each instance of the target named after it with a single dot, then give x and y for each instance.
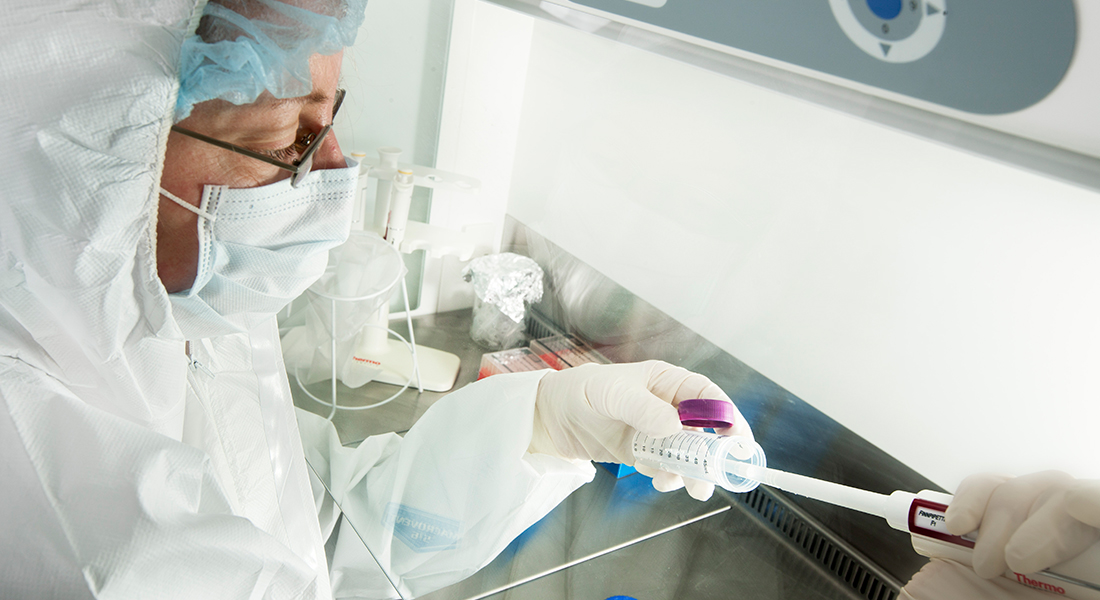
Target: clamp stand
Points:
(434, 370)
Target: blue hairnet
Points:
(243, 47)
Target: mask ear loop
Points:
(187, 205)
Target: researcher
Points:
(170, 182)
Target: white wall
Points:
(394, 76)
(486, 82)
(943, 306)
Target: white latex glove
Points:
(591, 412)
(948, 580)
(1026, 523)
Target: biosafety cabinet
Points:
(887, 212)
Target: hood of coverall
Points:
(90, 91)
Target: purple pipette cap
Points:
(706, 413)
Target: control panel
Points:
(978, 56)
(895, 31)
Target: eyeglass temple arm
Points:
(245, 151)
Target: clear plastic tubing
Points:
(701, 455)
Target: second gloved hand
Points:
(591, 412)
(1026, 523)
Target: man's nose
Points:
(329, 155)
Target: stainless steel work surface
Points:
(603, 515)
(796, 436)
(446, 331)
(726, 554)
(619, 536)
(600, 518)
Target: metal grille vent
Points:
(539, 326)
(801, 530)
(848, 565)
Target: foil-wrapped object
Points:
(503, 284)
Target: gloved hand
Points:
(943, 579)
(1026, 523)
(591, 412)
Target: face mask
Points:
(260, 248)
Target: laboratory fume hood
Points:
(872, 223)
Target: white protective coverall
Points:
(136, 465)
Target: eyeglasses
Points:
(308, 144)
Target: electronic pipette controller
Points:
(738, 464)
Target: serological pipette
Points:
(738, 465)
